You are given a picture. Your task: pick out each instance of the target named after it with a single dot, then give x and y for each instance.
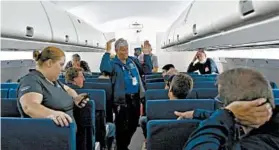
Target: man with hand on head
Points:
(246, 121)
(128, 88)
(204, 65)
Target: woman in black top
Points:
(41, 95)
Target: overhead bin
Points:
(63, 30)
(256, 9)
(25, 20)
(229, 24)
(85, 32)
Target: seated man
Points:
(181, 85)
(238, 89)
(166, 68)
(204, 65)
(169, 76)
(78, 63)
(75, 79)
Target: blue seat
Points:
(164, 109)
(205, 84)
(9, 108)
(86, 124)
(157, 94)
(152, 76)
(154, 80)
(96, 73)
(109, 101)
(276, 93)
(201, 79)
(98, 80)
(9, 85)
(156, 85)
(169, 134)
(26, 134)
(206, 93)
(4, 93)
(273, 85)
(12, 93)
(99, 97)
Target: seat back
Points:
(276, 93)
(169, 134)
(156, 85)
(206, 93)
(273, 85)
(27, 133)
(98, 80)
(164, 109)
(4, 93)
(109, 101)
(9, 108)
(9, 85)
(99, 98)
(156, 94)
(86, 124)
(205, 84)
(12, 93)
(202, 79)
(154, 80)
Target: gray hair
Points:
(244, 84)
(120, 42)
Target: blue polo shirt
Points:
(131, 77)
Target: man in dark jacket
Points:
(243, 123)
(78, 63)
(204, 65)
(126, 77)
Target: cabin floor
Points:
(137, 140)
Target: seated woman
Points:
(41, 95)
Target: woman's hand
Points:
(81, 100)
(60, 118)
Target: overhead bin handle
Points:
(29, 31)
(177, 36)
(86, 42)
(97, 44)
(195, 29)
(66, 38)
(246, 7)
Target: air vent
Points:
(79, 21)
(66, 38)
(29, 31)
(246, 7)
(195, 29)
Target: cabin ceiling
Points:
(110, 16)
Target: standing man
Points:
(204, 65)
(78, 63)
(127, 85)
(154, 58)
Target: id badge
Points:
(206, 69)
(134, 81)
